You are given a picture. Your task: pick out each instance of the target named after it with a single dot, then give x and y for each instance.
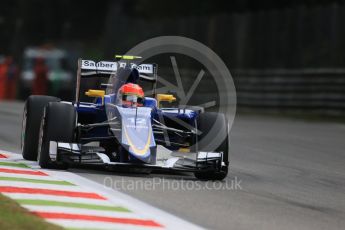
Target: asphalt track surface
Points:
(290, 174)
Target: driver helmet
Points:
(130, 95)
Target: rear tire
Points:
(32, 116)
(58, 124)
(205, 122)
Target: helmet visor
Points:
(132, 99)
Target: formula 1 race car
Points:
(115, 125)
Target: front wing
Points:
(76, 154)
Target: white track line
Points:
(168, 220)
(139, 209)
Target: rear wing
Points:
(90, 68)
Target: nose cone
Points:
(139, 138)
(137, 133)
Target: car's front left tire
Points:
(33, 111)
(58, 124)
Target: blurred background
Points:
(285, 56)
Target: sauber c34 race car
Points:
(120, 128)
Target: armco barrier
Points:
(310, 90)
(317, 91)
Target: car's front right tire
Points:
(58, 124)
(205, 122)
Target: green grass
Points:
(14, 217)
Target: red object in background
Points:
(8, 79)
(3, 80)
(12, 77)
(40, 83)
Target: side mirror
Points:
(165, 97)
(95, 93)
